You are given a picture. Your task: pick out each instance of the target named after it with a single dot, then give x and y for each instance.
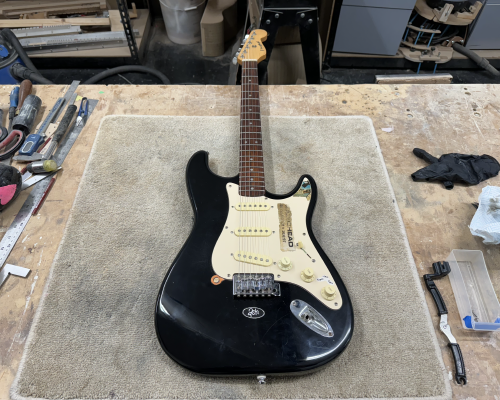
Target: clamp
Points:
(442, 269)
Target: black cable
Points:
(12, 39)
(127, 68)
(24, 73)
(482, 62)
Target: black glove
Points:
(10, 184)
(456, 167)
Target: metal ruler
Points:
(23, 216)
(46, 31)
(75, 42)
(67, 96)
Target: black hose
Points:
(12, 39)
(24, 73)
(482, 62)
(127, 68)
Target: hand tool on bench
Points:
(14, 101)
(83, 112)
(34, 140)
(34, 200)
(24, 91)
(3, 130)
(442, 269)
(23, 123)
(28, 178)
(17, 97)
(68, 98)
(60, 131)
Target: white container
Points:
(182, 20)
(476, 299)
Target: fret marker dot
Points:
(250, 109)
(256, 141)
(251, 169)
(251, 159)
(250, 123)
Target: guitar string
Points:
(241, 187)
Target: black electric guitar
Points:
(251, 291)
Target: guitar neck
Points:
(252, 183)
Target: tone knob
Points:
(285, 264)
(329, 292)
(307, 275)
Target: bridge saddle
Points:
(255, 285)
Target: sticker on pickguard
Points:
(325, 278)
(305, 190)
(286, 229)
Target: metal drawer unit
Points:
(372, 26)
(485, 31)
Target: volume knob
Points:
(307, 275)
(285, 264)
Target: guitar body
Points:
(205, 327)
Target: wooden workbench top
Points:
(438, 118)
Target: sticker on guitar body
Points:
(286, 228)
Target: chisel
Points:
(34, 140)
(60, 131)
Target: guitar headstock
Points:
(252, 47)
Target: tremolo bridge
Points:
(255, 285)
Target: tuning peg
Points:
(246, 37)
(235, 60)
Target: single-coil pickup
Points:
(252, 206)
(253, 232)
(252, 258)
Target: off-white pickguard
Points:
(228, 244)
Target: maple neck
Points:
(252, 182)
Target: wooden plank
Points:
(413, 79)
(141, 23)
(15, 9)
(115, 20)
(30, 23)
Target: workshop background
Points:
(424, 76)
(194, 41)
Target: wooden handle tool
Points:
(24, 91)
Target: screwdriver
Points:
(14, 101)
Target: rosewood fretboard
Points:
(251, 154)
